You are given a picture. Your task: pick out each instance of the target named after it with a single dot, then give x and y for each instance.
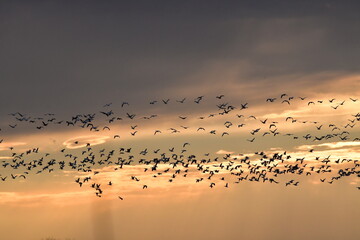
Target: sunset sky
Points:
(293, 64)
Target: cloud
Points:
(82, 141)
(165, 53)
(224, 152)
(331, 145)
(6, 145)
(340, 144)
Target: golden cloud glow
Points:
(6, 145)
(330, 145)
(224, 152)
(79, 142)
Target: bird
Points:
(224, 133)
(353, 99)
(186, 144)
(267, 167)
(244, 106)
(124, 103)
(181, 101)
(131, 116)
(263, 121)
(198, 99)
(319, 127)
(105, 113)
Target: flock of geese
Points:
(181, 163)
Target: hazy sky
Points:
(68, 58)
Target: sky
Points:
(90, 57)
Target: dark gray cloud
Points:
(59, 56)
